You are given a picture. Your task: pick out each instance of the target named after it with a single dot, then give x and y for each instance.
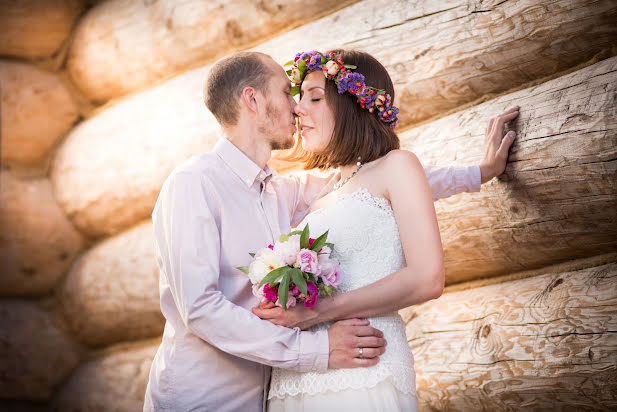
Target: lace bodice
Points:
(368, 248)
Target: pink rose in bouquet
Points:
(295, 269)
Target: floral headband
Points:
(332, 66)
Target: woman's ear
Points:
(249, 99)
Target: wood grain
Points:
(542, 343)
(558, 198)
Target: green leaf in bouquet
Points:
(310, 277)
(299, 281)
(252, 254)
(274, 275)
(329, 290)
(304, 237)
(283, 238)
(330, 245)
(319, 242)
(296, 232)
(284, 290)
(244, 269)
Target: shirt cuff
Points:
(314, 351)
(468, 179)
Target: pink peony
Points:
(272, 294)
(313, 295)
(307, 261)
(259, 293)
(287, 251)
(330, 271)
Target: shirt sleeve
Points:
(188, 248)
(450, 180)
(306, 189)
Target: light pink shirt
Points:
(211, 212)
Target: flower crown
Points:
(332, 66)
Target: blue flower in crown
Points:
(369, 98)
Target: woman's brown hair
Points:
(357, 132)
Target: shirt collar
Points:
(241, 164)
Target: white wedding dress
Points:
(368, 248)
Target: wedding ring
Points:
(360, 352)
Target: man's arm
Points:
(450, 180)
(188, 246)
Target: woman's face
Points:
(316, 118)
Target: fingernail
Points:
(511, 133)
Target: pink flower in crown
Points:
(307, 261)
(313, 295)
(330, 271)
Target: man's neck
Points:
(254, 148)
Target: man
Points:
(215, 209)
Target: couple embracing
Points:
(223, 351)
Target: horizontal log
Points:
(37, 110)
(110, 169)
(557, 199)
(36, 28)
(37, 353)
(122, 46)
(543, 343)
(115, 381)
(37, 241)
(443, 54)
(111, 293)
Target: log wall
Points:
(559, 183)
(548, 342)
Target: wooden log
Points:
(443, 54)
(557, 200)
(115, 381)
(122, 46)
(547, 342)
(37, 241)
(37, 353)
(37, 110)
(108, 172)
(110, 169)
(36, 28)
(111, 293)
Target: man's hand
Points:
(496, 145)
(354, 344)
(294, 317)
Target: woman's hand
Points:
(496, 145)
(294, 317)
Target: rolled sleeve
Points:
(450, 180)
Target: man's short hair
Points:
(228, 77)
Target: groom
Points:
(216, 208)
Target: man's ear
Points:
(250, 99)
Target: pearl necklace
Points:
(340, 184)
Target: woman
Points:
(381, 219)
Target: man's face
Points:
(278, 124)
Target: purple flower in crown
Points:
(374, 100)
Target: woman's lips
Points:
(305, 129)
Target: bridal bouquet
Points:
(295, 269)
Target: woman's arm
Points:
(423, 277)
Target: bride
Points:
(382, 221)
